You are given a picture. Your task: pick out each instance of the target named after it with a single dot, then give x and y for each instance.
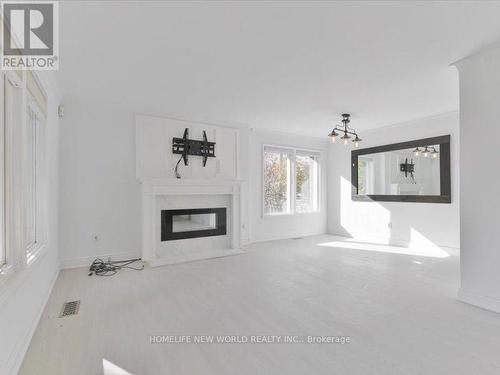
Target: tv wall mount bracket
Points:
(185, 146)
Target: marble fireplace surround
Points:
(158, 194)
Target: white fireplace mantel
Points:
(152, 188)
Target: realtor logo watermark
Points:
(30, 35)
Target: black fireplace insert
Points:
(193, 223)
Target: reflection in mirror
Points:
(412, 171)
(193, 222)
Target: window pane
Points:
(31, 155)
(306, 183)
(277, 172)
(365, 176)
(3, 120)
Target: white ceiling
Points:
(285, 66)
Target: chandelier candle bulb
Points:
(428, 150)
(356, 141)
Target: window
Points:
(35, 219)
(32, 126)
(306, 182)
(365, 176)
(10, 120)
(23, 198)
(277, 181)
(3, 89)
(290, 181)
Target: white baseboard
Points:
(212, 254)
(87, 261)
(18, 357)
(479, 300)
(288, 236)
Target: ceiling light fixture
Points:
(426, 151)
(346, 130)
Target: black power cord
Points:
(176, 171)
(110, 268)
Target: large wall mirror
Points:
(415, 171)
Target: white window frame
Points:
(292, 189)
(9, 159)
(39, 175)
(13, 177)
(369, 182)
(3, 229)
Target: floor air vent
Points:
(70, 308)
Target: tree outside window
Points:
(281, 167)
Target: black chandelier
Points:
(426, 152)
(347, 132)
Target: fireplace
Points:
(165, 241)
(192, 223)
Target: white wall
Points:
(100, 195)
(24, 294)
(282, 226)
(155, 159)
(480, 181)
(411, 222)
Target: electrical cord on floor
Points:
(110, 268)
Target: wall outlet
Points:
(389, 225)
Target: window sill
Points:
(6, 270)
(308, 213)
(34, 253)
(278, 215)
(12, 277)
(266, 216)
(7, 278)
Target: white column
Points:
(480, 178)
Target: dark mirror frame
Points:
(445, 175)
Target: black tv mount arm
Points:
(408, 169)
(185, 146)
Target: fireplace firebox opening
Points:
(193, 223)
